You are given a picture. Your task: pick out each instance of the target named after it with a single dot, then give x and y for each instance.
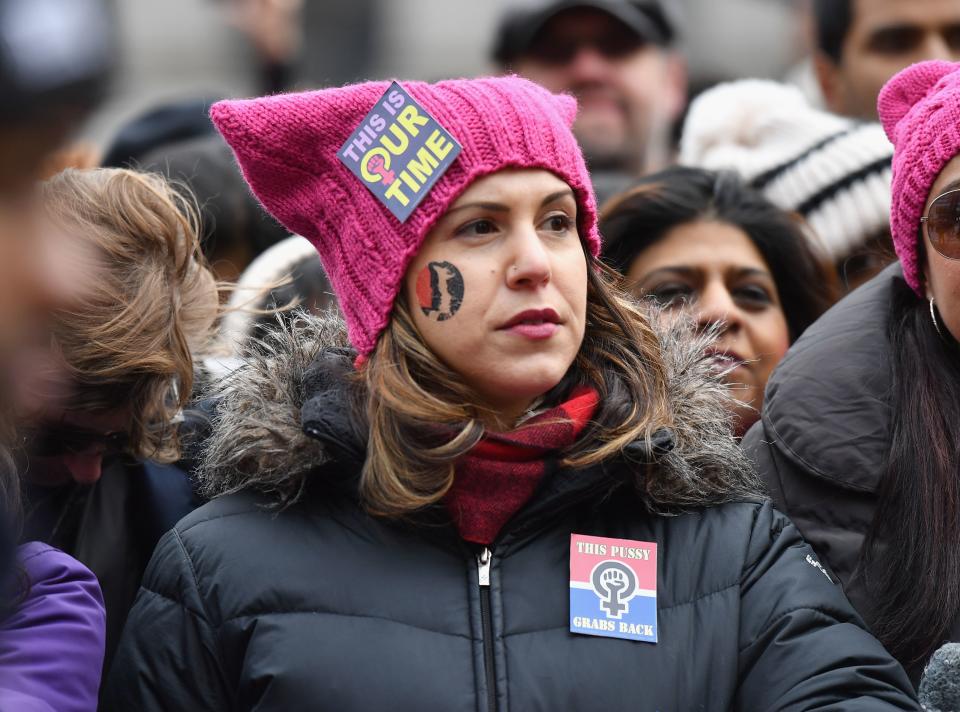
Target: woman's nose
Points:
(529, 261)
(716, 306)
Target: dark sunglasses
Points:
(56, 440)
(943, 224)
(559, 51)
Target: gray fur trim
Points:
(258, 442)
(707, 466)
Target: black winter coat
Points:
(324, 607)
(823, 440)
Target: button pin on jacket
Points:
(613, 588)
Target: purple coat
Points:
(51, 646)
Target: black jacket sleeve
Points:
(168, 656)
(802, 646)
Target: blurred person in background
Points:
(54, 68)
(833, 171)
(165, 124)
(858, 438)
(701, 242)
(177, 140)
(94, 448)
(52, 624)
(618, 58)
(395, 497)
(274, 29)
(234, 228)
(860, 44)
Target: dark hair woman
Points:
(469, 501)
(703, 241)
(858, 439)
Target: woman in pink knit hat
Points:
(858, 440)
(492, 486)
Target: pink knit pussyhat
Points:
(920, 111)
(288, 145)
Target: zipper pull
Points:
(483, 566)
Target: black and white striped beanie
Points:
(832, 170)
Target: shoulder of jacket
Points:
(257, 439)
(833, 422)
(740, 521)
(43, 562)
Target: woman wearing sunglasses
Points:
(858, 437)
(119, 370)
(458, 502)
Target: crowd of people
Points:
(553, 389)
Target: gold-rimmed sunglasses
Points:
(943, 224)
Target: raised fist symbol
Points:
(614, 580)
(615, 583)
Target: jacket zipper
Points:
(483, 571)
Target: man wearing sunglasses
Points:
(617, 58)
(862, 43)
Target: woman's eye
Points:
(753, 294)
(671, 295)
(477, 228)
(558, 223)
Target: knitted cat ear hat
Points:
(920, 111)
(287, 147)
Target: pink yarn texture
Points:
(920, 111)
(287, 146)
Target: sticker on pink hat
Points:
(399, 151)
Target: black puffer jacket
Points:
(323, 607)
(823, 440)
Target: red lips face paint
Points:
(440, 290)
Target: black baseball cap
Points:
(519, 27)
(54, 54)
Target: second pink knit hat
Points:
(287, 148)
(920, 111)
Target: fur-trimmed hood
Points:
(283, 413)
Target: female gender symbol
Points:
(377, 166)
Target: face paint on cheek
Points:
(440, 290)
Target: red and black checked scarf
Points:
(499, 475)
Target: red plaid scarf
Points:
(500, 474)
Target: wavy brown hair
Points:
(422, 417)
(127, 340)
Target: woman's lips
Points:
(537, 332)
(724, 361)
(536, 324)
